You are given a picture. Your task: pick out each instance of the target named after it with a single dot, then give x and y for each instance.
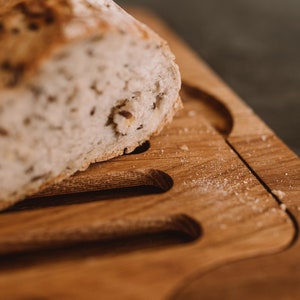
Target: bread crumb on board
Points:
(283, 207)
(192, 113)
(184, 148)
(280, 194)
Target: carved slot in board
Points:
(106, 238)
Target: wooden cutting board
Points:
(215, 187)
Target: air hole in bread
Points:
(74, 110)
(33, 27)
(40, 177)
(49, 19)
(52, 127)
(95, 89)
(90, 52)
(73, 94)
(159, 98)
(15, 30)
(27, 121)
(64, 73)
(37, 91)
(96, 38)
(126, 114)
(3, 132)
(29, 170)
(93, 110)
(52, 99)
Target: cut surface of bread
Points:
(81, 81)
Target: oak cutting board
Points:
(215, 195)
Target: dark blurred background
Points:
(254, 45)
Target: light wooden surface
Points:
(199, 198)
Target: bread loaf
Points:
(81, 81)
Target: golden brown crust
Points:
(28, 29)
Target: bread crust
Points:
(31, 31)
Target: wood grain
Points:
(278, 169)
(190, 203)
